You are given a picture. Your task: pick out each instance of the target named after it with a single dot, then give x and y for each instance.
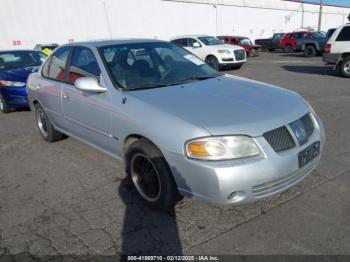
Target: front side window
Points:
(210, 40)
(20, 59)
(138, 66)
(246, 41)
(191, 42)
(344, 35)
(83, 63)
(181, 42)
(57, 66)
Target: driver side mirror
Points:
(196, 45)
(89, 84)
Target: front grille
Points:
(239, 54)
(280, 139)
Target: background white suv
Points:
(212, 50)
(337, 51)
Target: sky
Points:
(331, 2)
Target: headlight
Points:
(224, 52)
(222, 148)
(11, 83)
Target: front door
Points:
(87, 114)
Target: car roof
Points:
(186, 36)
(100, 43)
(18, 50)
(233, 36)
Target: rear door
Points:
(50, 87)
(87, 114)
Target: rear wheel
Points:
(344, 67)
(151, 175)
(288, 49)
(48, 132)
(3, 106)
(310, 51)
(213, 62)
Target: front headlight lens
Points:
(11, 83)
(222, 148)
(224, 51)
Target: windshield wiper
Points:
(158, 85)
(191, 78)
(147, 86)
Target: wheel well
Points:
(210, 56)
(345, 55)
(129, 140)
(310, 44)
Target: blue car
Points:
(15, 67)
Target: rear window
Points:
(20, 59)
(344, 35)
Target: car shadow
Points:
(145, 231)
(316, 70)
(293, 55)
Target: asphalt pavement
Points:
(67, 199)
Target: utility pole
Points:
(320, 16)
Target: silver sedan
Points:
(181, 128)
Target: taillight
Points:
(328, 48)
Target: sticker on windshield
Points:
(194, 59)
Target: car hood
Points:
(228, 105)
(18, 74)
(226, 46)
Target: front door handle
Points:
(65, 97)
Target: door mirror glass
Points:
(89, 84)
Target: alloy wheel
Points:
(42, 122)
(145, 177)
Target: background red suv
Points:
(245, 42)
(289, 41)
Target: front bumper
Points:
(231, 60)
(250, 179)
(15, 97)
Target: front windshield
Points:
(210, 40)
(20, 59)
(154, 64)
(246, 41)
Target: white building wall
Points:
(24, 23)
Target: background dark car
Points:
(271, 43)
(15, 67)
(245, 42)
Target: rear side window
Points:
(83, 63)
(58, 63)
(181, 42)
(344, 35)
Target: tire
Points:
(213, 62)
(236, 67)
(271, 49)
(310, 51)
(151, 176)
(344, 67)
(3, 106)
(288, 49)
(45, 127)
